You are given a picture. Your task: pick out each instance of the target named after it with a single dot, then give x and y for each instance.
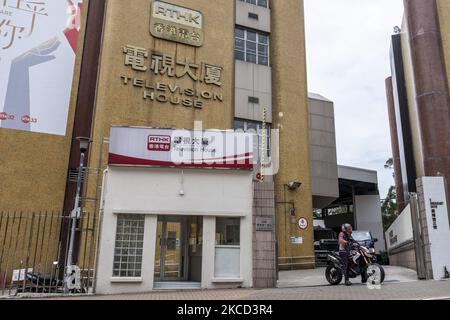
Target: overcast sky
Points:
(348, 45)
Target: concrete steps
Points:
(175, 285)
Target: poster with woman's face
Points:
(38, 40)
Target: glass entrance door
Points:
(171, 250)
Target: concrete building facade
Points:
(232, 65)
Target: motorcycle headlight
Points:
(372, 250)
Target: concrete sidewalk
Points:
(400, 284)
(412, 290)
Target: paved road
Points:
(415, 290)
(316, 277)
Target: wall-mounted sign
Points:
(264, 224)
(38, 41)
(393, 239)
(303, 223)
(181, 148)
(176, 23)
(436, 204)
(297, 240)
(165, 65)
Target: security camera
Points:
(294, 185)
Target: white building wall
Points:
(209, 246)
(156, 191)
(243, 18)
(368, 217)
(439, 239)
(401, 230)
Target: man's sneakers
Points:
(348, 283)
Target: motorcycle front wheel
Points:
(333, 275)
(375, 274)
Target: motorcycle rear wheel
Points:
(334, 275)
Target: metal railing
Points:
(32, 254)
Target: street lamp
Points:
(76, 212)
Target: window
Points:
(251, 46)
(261, 3)
(256, 128)
(129, 245)
(228, 231)
(228, 250)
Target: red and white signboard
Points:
(181, 148)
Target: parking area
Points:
(316, 277)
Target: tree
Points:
(389, 204)
(389, 208)
(389, 164)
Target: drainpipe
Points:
(432, 90)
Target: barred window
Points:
(129, 246)
(252, 46)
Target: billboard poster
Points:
(38, 41)
(181, 148)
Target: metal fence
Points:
(33, 251)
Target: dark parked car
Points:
(325, 239)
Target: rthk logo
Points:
(159, 143)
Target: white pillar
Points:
(434, 210)
(148, 254)
(208, 252)
(247, 251)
